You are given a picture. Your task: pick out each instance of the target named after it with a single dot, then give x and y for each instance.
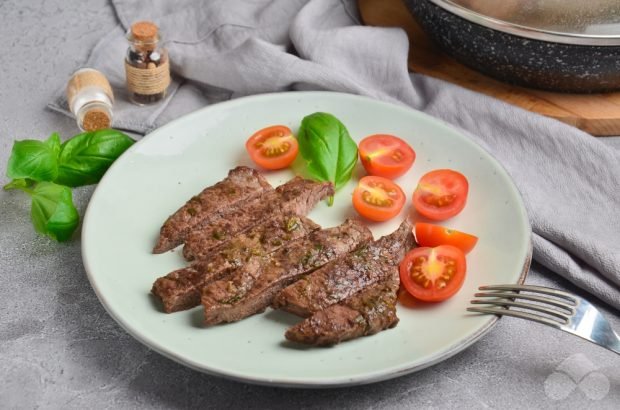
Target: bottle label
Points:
(148, 81)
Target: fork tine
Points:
(534, 298)
(531, 288)
(538, 308)
(516, 313)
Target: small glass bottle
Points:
(146, 64)
(90, 99)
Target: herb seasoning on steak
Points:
(365, 313)
(180, 289)
(249, 290)
(337, 281)
(241, 184)
(298, 196)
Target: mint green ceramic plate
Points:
(159, 173)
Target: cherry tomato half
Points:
(386, 155)
(441, 194)
(433, 274)
(435, 235)
(377, 198)
(273, 147)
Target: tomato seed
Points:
(274, 151)
(373, 200)
(439, 200)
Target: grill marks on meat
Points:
(251, 245)
(298, 196)
(374, 263)
(250, 289)
(180, 290)
(365, 313)
(240, 184)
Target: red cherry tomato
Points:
(386, 155)
(377, 198)
(273, 147)
(434, 235)
(441, 194)
(433, 274)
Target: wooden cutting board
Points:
(597, 114)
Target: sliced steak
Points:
(240, 184)
(337, 281)
(251, 288)
(298, 196)
(365, 313)
(180, 290)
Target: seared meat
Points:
(337, 281)
(365, 313)
(250, 289)
(298, 196)
(180, 289)
(240, 184)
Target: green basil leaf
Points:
(327, 147)
(52, 212)
(86, 157)
(34, 159)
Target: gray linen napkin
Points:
(219, 50)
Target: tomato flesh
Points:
(377, 198)
(434, 235)
(433, 274)
(441, 194)
(273, 147)
(386, 155)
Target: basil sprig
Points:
(33, 159)
(53, 212)
(86, 157)
(46, 169)
(328, 149)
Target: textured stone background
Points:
(59, 348)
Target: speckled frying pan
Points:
(558, 45)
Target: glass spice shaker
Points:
(146, 64)
(90, 99)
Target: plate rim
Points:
(367, 378)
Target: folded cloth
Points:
(219, 50)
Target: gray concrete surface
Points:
(60, 350)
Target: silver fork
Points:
(559, 309)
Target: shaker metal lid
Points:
(582, 22)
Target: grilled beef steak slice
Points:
(298, 196)
(365, 313)
(180, 290)
(249, 290)
(240, 184)
(337, 281)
